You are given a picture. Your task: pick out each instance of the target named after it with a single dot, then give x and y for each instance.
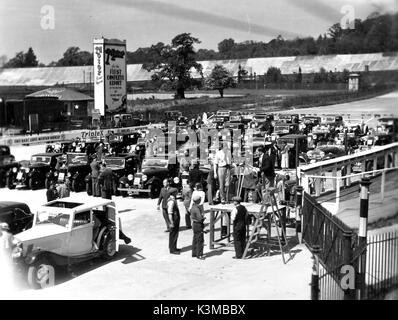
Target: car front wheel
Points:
(41, 275)
(154, 191)
(10, 183)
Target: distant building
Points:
(52, 108)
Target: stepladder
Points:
(270, 218)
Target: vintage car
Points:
(76, 168)
(66, 232)
(122, 166)
(325, 152)
(17, 215)
(7, 164)
(332, 120)
(122, 142)
(150, 179)
(60, 147)
(288, 118)
(282, 128)
(33, 175)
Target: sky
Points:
(29, 23)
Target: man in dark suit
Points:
(106, 182)
(267, 169)
(174, 217)
(195, 175)
(95, 168)
(163, 196)
(241, 219)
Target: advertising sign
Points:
(110, 74)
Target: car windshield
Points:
(155, 163)
(40, 159)
(115, 162)
(282, 129)
(58, 218)
(77, 159)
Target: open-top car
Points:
(33, 176)
(149, 180)
(17, 215)
(7, 163)
(66, 232)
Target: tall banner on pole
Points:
(110, 75)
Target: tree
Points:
(74, 57)
(23, 60)
(175, 62)
(241, 73)
(274, 75)
(220, 78)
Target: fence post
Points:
(299, 206)
(362, 234)
(315, 273)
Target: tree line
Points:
(377, 33)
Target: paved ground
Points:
(145, 269)
(381, 213)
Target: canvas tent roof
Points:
(62, 94)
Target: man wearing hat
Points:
(197, 218)
(240, 218)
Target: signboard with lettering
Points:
(110, 74)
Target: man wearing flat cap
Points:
(197, 218)
(240, 218)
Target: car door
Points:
(113, 217)
(81, 235)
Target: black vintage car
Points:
(123, 166)
(17, 215)
(33, 176)
(7, 163)
(76, 167)
(150, 179)
(121, 142)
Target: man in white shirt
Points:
(222, 165)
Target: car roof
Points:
(294, 136)
(83, 205)
(47, 154)
(13, 204)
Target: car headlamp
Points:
(176, 180)
(14, 170)
(127, 185)
(144, 178)
(130, 177)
